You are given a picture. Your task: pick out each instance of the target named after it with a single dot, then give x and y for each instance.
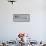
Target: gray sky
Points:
(37, 25)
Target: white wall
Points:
(37, 25)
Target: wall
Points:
(37, 25)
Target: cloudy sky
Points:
(37, 25)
